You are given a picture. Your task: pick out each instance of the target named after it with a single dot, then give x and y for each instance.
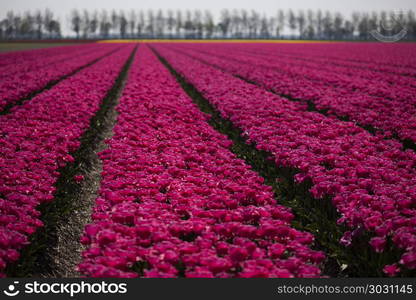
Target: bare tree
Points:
(85, 23)
(105, 25)
(383, 21)
(301, 23)
(319, 24)
(9, 24)
(348, 30)
(197, 21)
(292, 21)
(2, 30)
(160, 23)
(93, 23)
(264, 27)
(52, 26)
(123, 24)
(188, 25)
(209, 24)
(244, 22)
(76, 22)
(411, 24)
(225, 20)
(27, 25)
(398, 20)
(363, 26)
(39, 24)
(17, 19)
(114, 21)
(178, 23)
(253, 23)
(310, 32)
(355, 20)
(280, 22)
(47, 20)
(141, 24)
(328, 25)
(150, 28)
(235, 23)
(373, 21)
(338, 26)
(197, 24)
(132, 22)
(170, 22)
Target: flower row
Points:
(20, 85)
(393, 64)
(42, 61)
(389, 58)
(36, 139)
(21, 57)
(176, 202)
(371, 181)
(395, 88)
(391, 116)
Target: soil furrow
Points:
(317, 216)
(55, 249)
(8, 108)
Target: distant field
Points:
(5, 47)
(157, 158)
(212, 41)
(16, 46)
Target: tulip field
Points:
(211, 160)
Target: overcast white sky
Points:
(61, 8)
(345, 6)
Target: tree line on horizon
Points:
(197, 24)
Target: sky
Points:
(61, 8)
